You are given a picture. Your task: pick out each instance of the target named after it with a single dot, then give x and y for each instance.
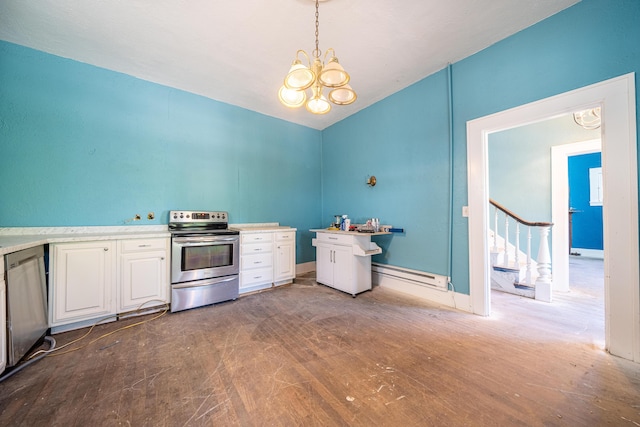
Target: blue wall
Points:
(587, 221)
(82, 145)
(594, 40)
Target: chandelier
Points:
(316, 76)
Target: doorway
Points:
(559, 203)
(616, 97)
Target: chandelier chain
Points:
(316, 52)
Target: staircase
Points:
(513, 270)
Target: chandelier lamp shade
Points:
(316, 76)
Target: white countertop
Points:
(352, 233)
(18, 238)
(260, 227)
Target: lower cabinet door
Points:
(143, 280)
(83, 281)
(342, 266)
(324, 264)
(284, 261)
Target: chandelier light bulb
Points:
(318, 105)
(299, 77)
(333, 75)
(343, 95)
(291, 98)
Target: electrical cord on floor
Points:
(32, 360)
(40, 354)
(453, 295)
(55, 351)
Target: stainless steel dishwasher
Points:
(27, 320)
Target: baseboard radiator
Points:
(382, 273)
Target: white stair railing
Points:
(543, 259)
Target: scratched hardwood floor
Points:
(307, 355)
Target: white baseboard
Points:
(589, 253)
(306, 267)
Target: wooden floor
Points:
(307, 355)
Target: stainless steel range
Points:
(205, 261)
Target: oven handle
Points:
(186, 241)
(203, 283)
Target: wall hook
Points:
(371, 181)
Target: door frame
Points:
(559, 206)
(616, 97)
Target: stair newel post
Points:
(528, 277)
(543, 282)
(516, 260)
(495, 230)
(506, 241)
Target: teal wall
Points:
(520, 164)
(402, 141)
(520, 169)
(590, 42)
(85, 146)
(80, 145)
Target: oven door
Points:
(203, 256)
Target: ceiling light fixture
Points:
(316, 76)
(588, 119)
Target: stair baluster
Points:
(506, 240)
(528, 276)
(495, 232)
(543, 282)
(516, 258)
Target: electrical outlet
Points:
(151, 215)
(137, 217)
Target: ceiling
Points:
(238, 51)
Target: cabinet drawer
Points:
(334, 238)
(256, 237)
(135, 245)
(261, 260)
(257, 248)
(285, 235)
(262, 275)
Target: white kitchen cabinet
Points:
(343, 260)
(143, 273)
(83, 277)
(94, 279)
(256, 261)
(284, 257)
(267, 256)
(3, 318)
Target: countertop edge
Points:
(349, 233)
(260, 228)
(18, 242)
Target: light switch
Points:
(465, 211)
